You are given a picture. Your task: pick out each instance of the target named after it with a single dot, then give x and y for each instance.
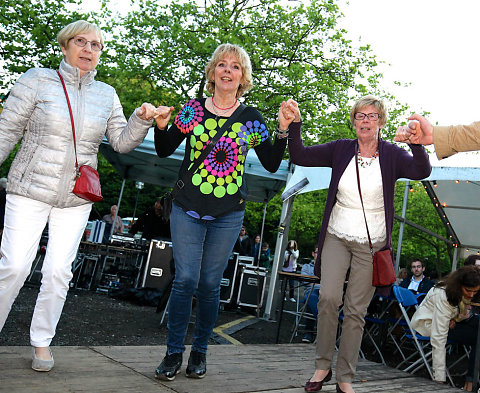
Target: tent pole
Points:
(261, 231)
(282, 238)
(402, 225)
(455, 256)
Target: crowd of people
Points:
(258, 250)
(206, 219)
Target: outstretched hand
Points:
(163, 115)
(288, 113)
(419, 131)
(146, 111)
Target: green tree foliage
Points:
(28, 32)
(297, 52)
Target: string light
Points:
(457, 181)
(435, 184)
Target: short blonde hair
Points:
(377, 103)
(75, 28)
(243, 59)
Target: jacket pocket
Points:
(26, 176)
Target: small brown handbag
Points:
(87, 185)
(383, 271)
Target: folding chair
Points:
(376, 323)
(422, 346)
(302, 312)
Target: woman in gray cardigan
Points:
(42, 175)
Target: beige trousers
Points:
(338, 255)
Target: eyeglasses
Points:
(82, 42)
(371, 116)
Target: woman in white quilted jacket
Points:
(42, 175)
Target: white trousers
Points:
(25, 220)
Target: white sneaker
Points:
(292, 299)
(40, 364)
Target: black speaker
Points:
(229, 279)
(159, 267)
(251, 287)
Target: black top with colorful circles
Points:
(217, 187)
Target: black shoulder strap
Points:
(195, 164)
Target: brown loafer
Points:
(317, 386)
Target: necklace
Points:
(365, 162)
(216, 113)
(224, 109)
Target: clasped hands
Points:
(161, 114)
(419, 131)
(288, 113)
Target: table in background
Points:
(303, 281)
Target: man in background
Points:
(108, 218)
(152, 224)
(243, 245)
(417, 283)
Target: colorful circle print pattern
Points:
(221, 173)
(189, 117)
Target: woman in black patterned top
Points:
(207, 213)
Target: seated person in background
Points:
(108, 218)
(265, 258)
(472, 260)
(308, 270)
(418, 283)
(402, 275)
(152, 224)
(243, 245)
(439, 316)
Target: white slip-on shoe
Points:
(40, 364)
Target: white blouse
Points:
(346, 220)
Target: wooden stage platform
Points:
(280, 368)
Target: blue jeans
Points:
(312, 307)
(201, 249)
